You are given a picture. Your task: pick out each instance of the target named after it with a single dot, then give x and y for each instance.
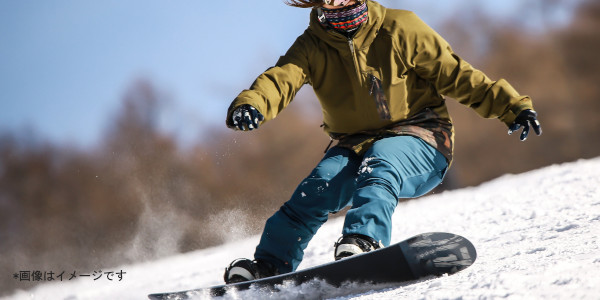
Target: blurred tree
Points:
(141, 195)
(557, 70)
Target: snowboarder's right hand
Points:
(246, 117)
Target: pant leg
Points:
(327, 189)
(395, 167)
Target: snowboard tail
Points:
(428, 254)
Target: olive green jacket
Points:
(389, 78)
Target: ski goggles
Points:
(336, 2)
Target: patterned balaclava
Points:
(345, 19)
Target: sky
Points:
(66, 64)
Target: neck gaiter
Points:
(347, 19)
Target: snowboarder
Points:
(380, 75)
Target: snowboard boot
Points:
(243, 269)
(352, 244)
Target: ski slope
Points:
(536, 236)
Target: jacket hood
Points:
(363, 37)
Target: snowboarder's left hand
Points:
(246, 117)
(525, 119)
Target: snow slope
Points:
(536, 235)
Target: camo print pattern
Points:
(426, 125)
(379, 96)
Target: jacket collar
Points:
(363, 37)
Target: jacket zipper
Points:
(376, 91)
(355, 60)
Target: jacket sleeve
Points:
(274, 89)
(432, 58)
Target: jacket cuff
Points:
(239, 101)
(511, 115)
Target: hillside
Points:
(536, 235)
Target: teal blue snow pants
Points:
(393, 168)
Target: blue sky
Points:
(65, 64)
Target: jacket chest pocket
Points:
(377, 93)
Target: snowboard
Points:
(424, 255)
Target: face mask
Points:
(346, 19)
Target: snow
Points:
(364, 166)
(536, 236)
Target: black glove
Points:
(525, 119)
(246, 117)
